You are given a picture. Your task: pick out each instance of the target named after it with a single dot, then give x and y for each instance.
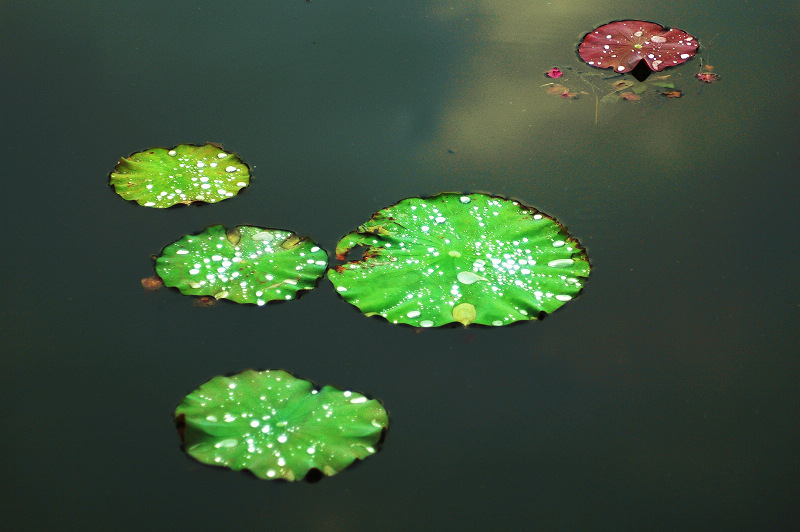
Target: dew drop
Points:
(263, 236)
(468, 277)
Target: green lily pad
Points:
(278, 426)
(246, 265)
(162, 177)
(460, 258)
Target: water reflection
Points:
(498, 117)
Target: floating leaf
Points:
(708, 77)
(278, 426)
(246, 265)
(161, 177)
(460, 258)
(152, 284)
(560, 90)
(630, 96)
(663, 84)
(623, 44)
(556, 89)
(672, 94)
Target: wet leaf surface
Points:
(245, 265)
(278, 426)
(162, 177)
(460, 258)
(621, 45)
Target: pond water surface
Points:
(665, 397)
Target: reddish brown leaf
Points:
(707, 77)
(151, 284)
(623, 43)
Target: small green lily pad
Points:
(162, 177)
(246, 265)
(460, 258)
(278, 426)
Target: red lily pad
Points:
(624, 44)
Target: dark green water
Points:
(664, 398)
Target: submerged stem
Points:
(596, 108)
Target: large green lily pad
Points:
(163, 177)
(246, 265)
(460, 258)
(278, 426)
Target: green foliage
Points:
(278, 426)
(246, 265)
(460, 258)
(161, 177)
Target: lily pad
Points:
(278, 426)
(245, 265)
(624, 44)
(460, 258)
(162, 177)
